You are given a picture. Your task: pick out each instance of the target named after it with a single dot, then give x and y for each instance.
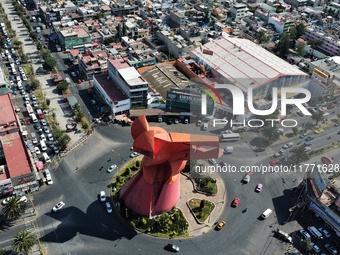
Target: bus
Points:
(232, 137)
(29, 109)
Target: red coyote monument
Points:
(156, 186)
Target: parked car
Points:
(43, 122)
(22, 199)
(315, 247)
(55, 149)
(331, 249)
(50, 137)
(46, 130)
(212, 161)
(58, 206)
(37, 150)
(220, 225)
(308, 149)
(309, 143)
(319, 131)
(309, 138)
(303, 135)
(337, 124)
(325, 232)
(305, 234)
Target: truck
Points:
(40, 114)
(228, 150)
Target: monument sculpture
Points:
(156, 186)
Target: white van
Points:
(315, 232)
(47, 159)
(205, 126)
(43, 145)
(34, 118)
(266, 213)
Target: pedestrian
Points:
(77, 168)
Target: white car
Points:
(58, 206)
(108, 207)
(20, 69)
(35, 104)
(102, 196)
(112, 168)
(50, 137)
(24, 78)
(134, 154)
(27, 103)
(22, 199)
(34, 140)
(37, 150)
(34, 97)
(27, 98)
(18, 78)
(308, 148)
(43, 137)
(212, 161)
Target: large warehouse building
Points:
(245, 64)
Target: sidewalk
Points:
(61, 109)
(187, 193)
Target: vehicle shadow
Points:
(95, 222)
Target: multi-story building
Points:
(122, 9)
(112, 95)
(281, 22)
(330, 45)
(93, 64)
(74, 37)
(176, 44)
(129, 82)
(177, 19)
(238, 11)
(325, 77)
(297, 3)
(16, 167)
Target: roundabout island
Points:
(153, 194)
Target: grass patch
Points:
(124, 175)
(168, 224)
(201, 208)
(51, 122)
(207, 185)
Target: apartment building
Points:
(93, 64)
(129, 81)
(282, 23)
(238, 11)
(331, 44)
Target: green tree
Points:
(3, 251)
(14, 209)
(17, 43)
(300, 48)
(271, 133)
(315, 43)
(45, 53)
(263, 38)
(49, 63)
(300, 30)
(23, 242)
(24, 58)
(318, 116)
(100, 15)
(295, 130)
(63, 141)
(35, 84)
(283, 45)
(62, 86)
(2, 42)
(299, 155)
(292, 32)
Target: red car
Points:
(331, 106)
(236, 202)
(274, 162)
(79, 81)
(309, 138)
